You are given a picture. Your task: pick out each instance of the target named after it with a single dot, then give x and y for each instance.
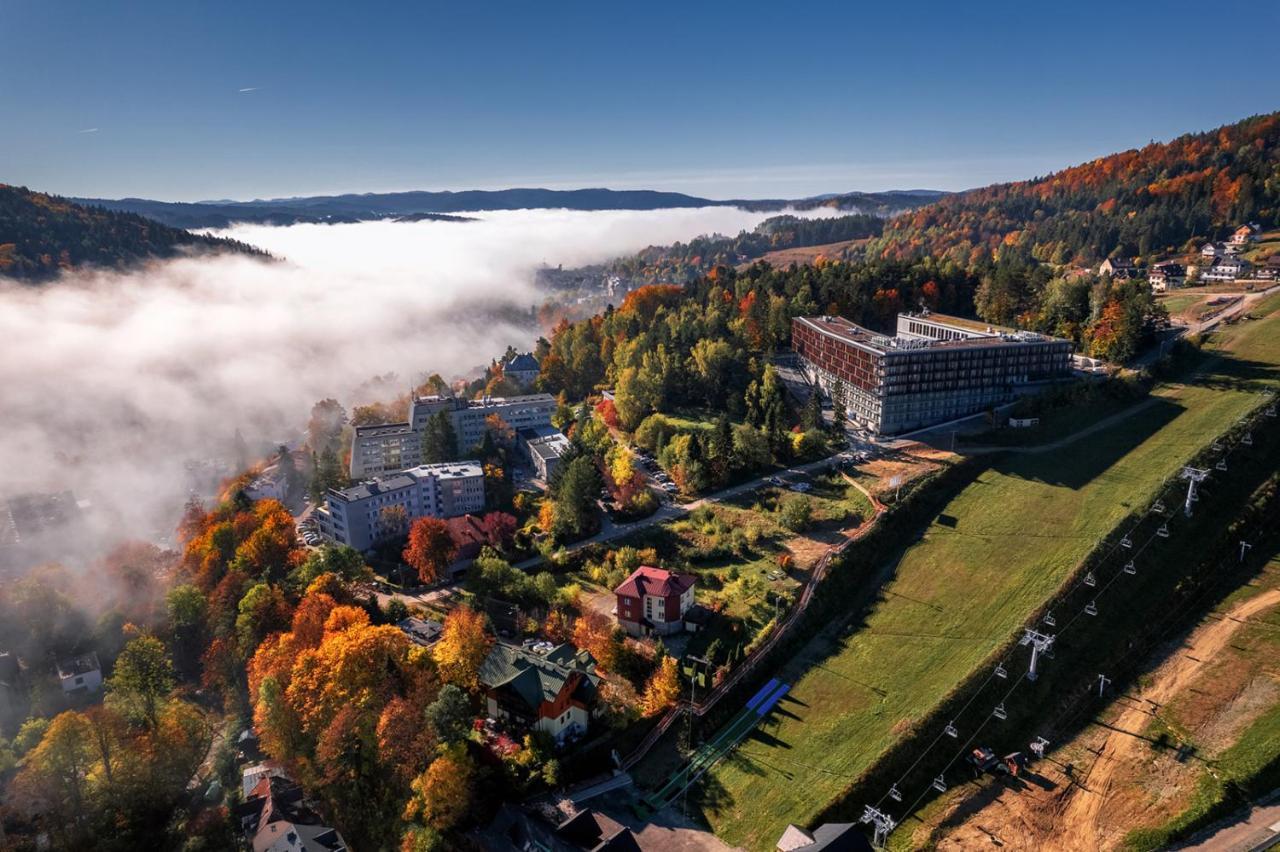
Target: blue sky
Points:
(716, 99)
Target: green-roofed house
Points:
(541, 687)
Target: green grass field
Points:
(999, 549)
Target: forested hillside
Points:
(683, 262)
(42, 235)
(1135, 203)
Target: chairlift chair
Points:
(895, 793)
(1163, 532)
(1216, 446)
(1091, 608)
(999, 712)
(1221, 465)
(1001, 671)
(1130, 568)
(1049, 620)
(1247, 440)
(1158, 508)
(950, 730)
(1090, 580)
(940, 784)
(1126, 541)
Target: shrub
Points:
(795, 512)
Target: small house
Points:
(1166, 276)
(421, 631)
(1242, 236)
(654, 601)
(1212, 250)
(1225, 268)
(522, 369)
(1118, 267)
(80, 675)
(543, 687)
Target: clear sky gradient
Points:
(722, 100)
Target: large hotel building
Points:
(935, 369)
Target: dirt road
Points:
(1070, 816)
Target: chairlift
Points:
(895, 793)
(1001, 671)
(1126, 541)
(940, 784)
(1130, 568)
(1221, 465)
(999, 712)
(1091, 608)
(950, 730)
(1271, 411)
(1158, 508)
(1163, 532)
(1037, 747)
(1216, 446)
(1247, 440)
(1049, 620)
(1090, 580)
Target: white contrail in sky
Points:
(249, 89)
(88, 130)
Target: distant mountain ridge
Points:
(42, 235)
(359, 207)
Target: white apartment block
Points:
(358, 516)
(396, 446)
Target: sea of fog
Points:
(127, 388)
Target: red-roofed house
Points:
(468, 537)
(653, 600)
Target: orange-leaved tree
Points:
(430, 548)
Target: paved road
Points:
(1253, 829)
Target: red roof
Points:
(647, 580)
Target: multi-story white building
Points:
(366, 515)
(398, 446)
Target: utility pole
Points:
(688, 735)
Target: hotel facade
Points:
(935, 369)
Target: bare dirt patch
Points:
(1118, 780)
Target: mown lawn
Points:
(1000, 548)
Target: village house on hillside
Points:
(1166, 276)
(1243, 235)
(1118, 267)
(522, 369)
(80, 675)
(654, 601)
(1269, 271)
(1225, 269)
(1211, 250)
(553, 689)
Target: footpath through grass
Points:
(997, 551)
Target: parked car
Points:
(775, 480)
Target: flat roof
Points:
(852, 333)
(383, 429)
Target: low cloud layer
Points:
(110, 384)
